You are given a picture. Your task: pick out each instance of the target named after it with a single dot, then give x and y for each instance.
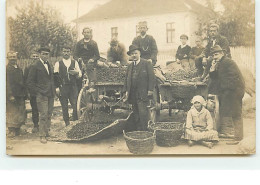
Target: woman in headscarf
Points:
(199, 124)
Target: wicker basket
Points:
(167, 133)
(140, 142)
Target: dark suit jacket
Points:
(148, 47)
(146, 80)
(39, 81)
(14, 82)
(228, 76)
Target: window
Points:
(114, 32)
(170, 32)
(137, 30)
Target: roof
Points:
(132, 8)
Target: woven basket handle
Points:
(150, 123)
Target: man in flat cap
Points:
(230, 89)
(116, 53)
(31, 95)
(15, 95)
(40, 81)
(139, 86)
(146, 43)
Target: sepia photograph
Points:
(130, 77)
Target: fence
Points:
(243, 56)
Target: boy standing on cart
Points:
(139, 86)
(66, 73)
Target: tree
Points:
(36, 26)
(238, 22)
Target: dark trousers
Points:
(45, 108)
(35, 113)
(141, 115)
(230, 102)
(69, 92)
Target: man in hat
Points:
(146, 43)
(214, 39)
(87, 51)
(68, 72)
(231, 89)
(116, 53)
(31, 95)
(40, 82)
(15, 95)
(139, 86)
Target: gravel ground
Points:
(28, 143)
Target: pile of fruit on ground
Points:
(112, 75)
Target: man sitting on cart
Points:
(116, 54)
(86, 51)
(139, 86)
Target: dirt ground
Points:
(28, 143)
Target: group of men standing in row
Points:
(65, 80)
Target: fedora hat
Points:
(133, 48)
(46, 49)
(216, 49)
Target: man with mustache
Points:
(146, 43)
(230, 89)
(139, 86)
(67, 71)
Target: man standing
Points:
(146, 43)
(68, 71)
(32, 95)
(231, 89)
(116, 53)
(139, 86)
(15, 95)
(40, 81)
(87, 50)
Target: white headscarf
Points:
(198, 98)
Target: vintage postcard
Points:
(130, 77)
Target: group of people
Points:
(42, 82)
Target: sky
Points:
(68, 8)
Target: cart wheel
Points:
(84, 103)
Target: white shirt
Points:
(143, 36)
(45, 65)
(182, 46)
(67, 64)
(136, 62)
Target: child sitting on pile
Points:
(199, 124)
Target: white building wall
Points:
(184, 24)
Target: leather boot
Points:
(226, 127)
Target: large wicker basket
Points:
(140, 142)
(167, 133)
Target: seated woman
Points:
(199, 124)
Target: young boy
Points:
(183, 52)
(195, 55)
(199, 124)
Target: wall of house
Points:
(184, 22)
